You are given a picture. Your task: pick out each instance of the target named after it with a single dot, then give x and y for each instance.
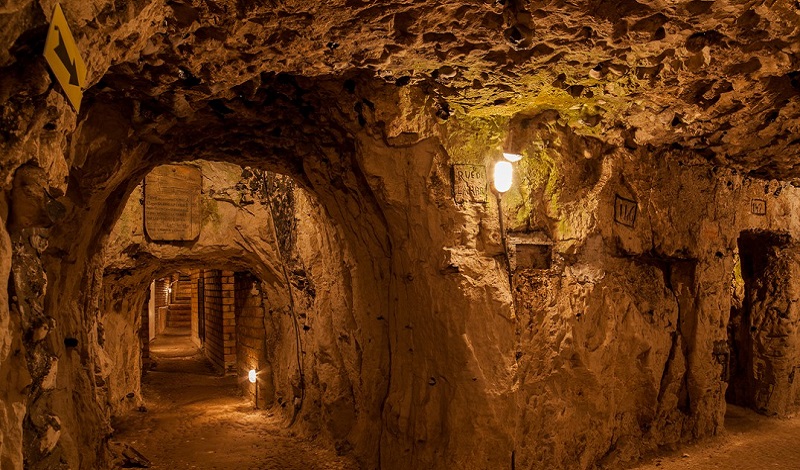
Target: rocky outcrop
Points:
(632, 311)
(653, 137)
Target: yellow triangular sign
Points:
(64, 59)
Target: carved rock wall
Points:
(238, 233)
(624, 344)
(432, 358)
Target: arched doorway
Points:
(761, 330)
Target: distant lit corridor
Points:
(400, 235)
(196, 418)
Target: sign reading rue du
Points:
(469, 183)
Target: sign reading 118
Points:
(625, 211)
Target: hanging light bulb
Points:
(503, 176)
(252, 376)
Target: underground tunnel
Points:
(450, 234)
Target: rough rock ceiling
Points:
(718, 77)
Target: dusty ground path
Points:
(751, 441)
(199, 420)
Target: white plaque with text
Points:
(172, 203)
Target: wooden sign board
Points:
(469, 183)
(64, 59)
(172, 203)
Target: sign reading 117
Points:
(64, 60)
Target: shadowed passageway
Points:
(450, 235)
(197, 419)
(750, 441)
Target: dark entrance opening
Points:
(757, 340)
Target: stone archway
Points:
(370, 109)
(244, 229)
(376, 204)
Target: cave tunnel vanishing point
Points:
(321, 176)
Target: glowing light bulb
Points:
(252, 376)
(503, 176)
(512, 157)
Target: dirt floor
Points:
(197, 419)
(750, 442)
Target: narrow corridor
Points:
(750, 441)
(198, 419)
(448, 234)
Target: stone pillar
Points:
(194, 275)
(144, 329)
(220, 319)
(771, 298)
(228, 321)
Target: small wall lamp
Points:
(253, 378)
(503, 176)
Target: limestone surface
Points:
(655, 137)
